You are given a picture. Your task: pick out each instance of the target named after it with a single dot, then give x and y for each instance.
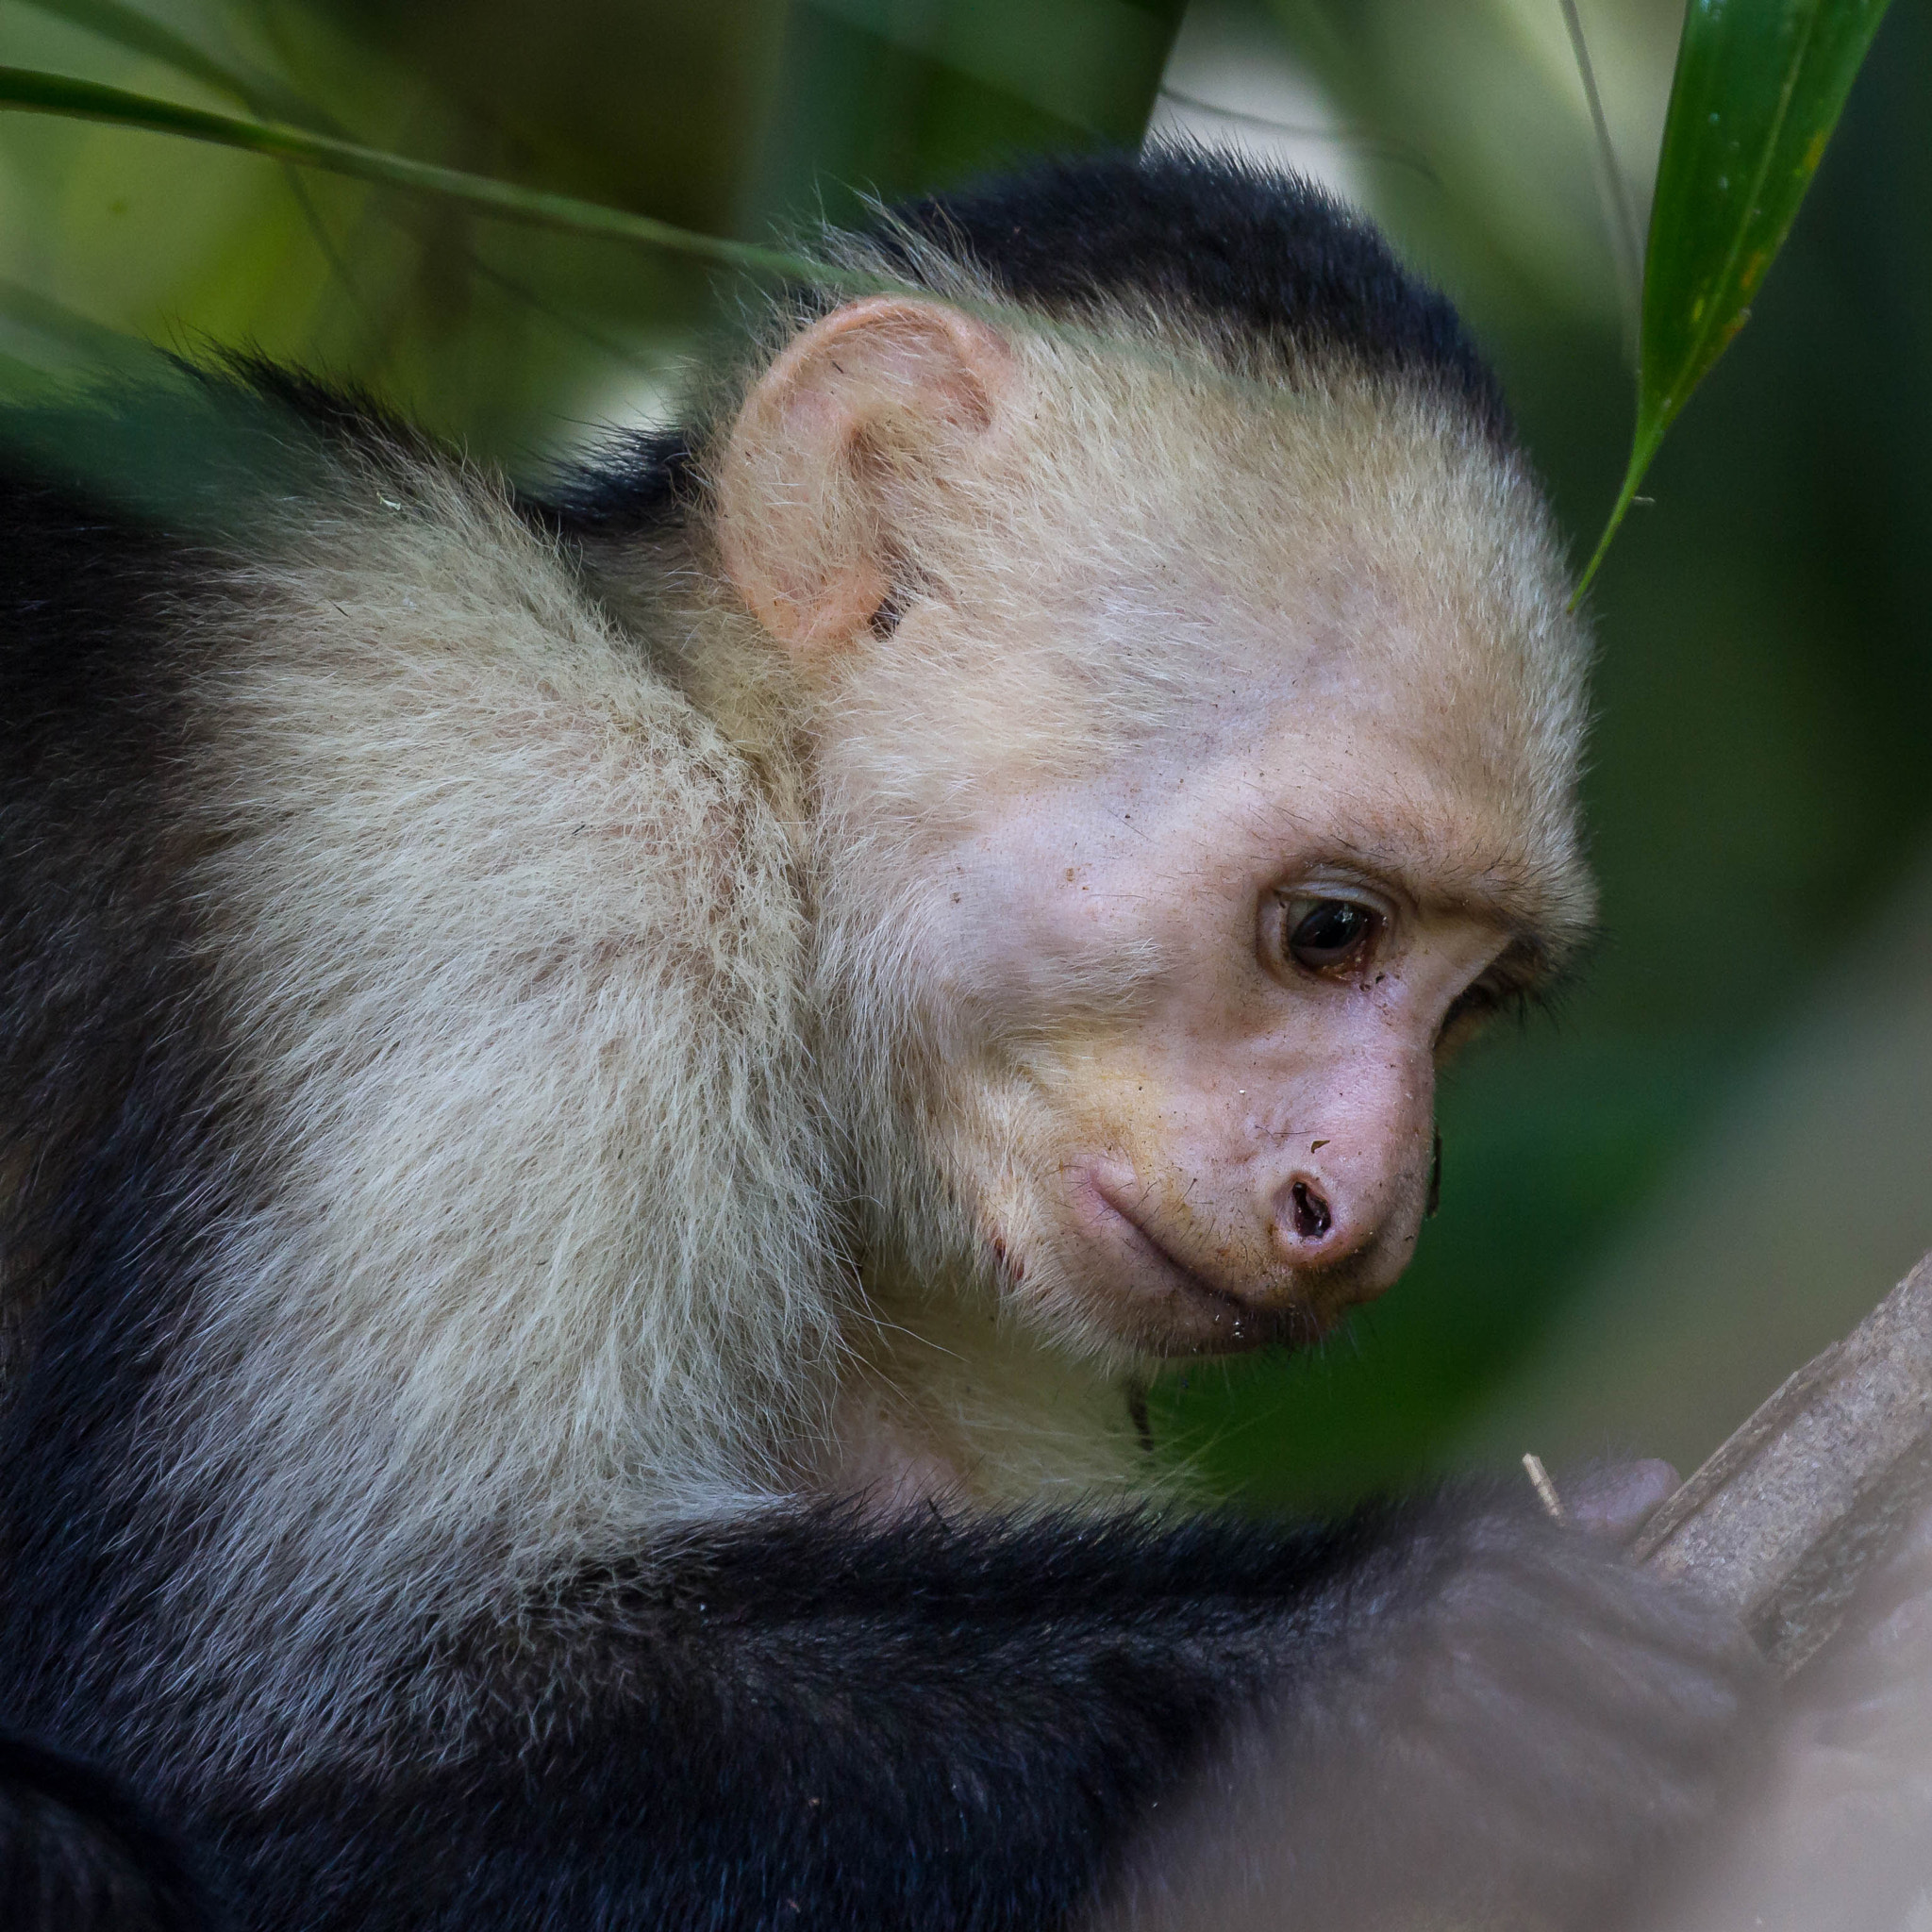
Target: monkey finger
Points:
(1614, 1500)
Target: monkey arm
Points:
(1530, 1738)
(805, 1723)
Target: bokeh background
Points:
(1716, 1152)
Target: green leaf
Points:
(43, 342)
(1759, 88)
(127, 26)
(58, 94)
(1092, 63)
(74, 335)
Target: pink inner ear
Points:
(930, 368)
(842, 604)
(798, 518)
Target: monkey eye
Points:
(1323, 934)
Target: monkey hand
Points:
(1505, 1723)
(1614, 1500)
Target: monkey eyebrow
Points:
(1545, 908)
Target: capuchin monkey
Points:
(608, 1098)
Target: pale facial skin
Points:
(1245, 1151)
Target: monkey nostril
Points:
(1309, 1212)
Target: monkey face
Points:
(1193, 1109)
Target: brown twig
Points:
(1787, 1517)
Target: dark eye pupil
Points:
(1330, 934)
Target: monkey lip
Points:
(1233, 1322)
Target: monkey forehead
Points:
(1325, 520)
(1214, 562)
(1150, 565)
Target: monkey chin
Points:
(1217, 1324)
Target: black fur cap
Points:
(1269, 253)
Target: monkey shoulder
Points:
(356, 862)
(295, 663)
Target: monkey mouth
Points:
(1233, 1323)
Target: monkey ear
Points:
(804, 516)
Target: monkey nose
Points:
(1308, 1230)
(1308, 1212)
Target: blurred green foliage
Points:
(726, 120)
(1765, 689)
